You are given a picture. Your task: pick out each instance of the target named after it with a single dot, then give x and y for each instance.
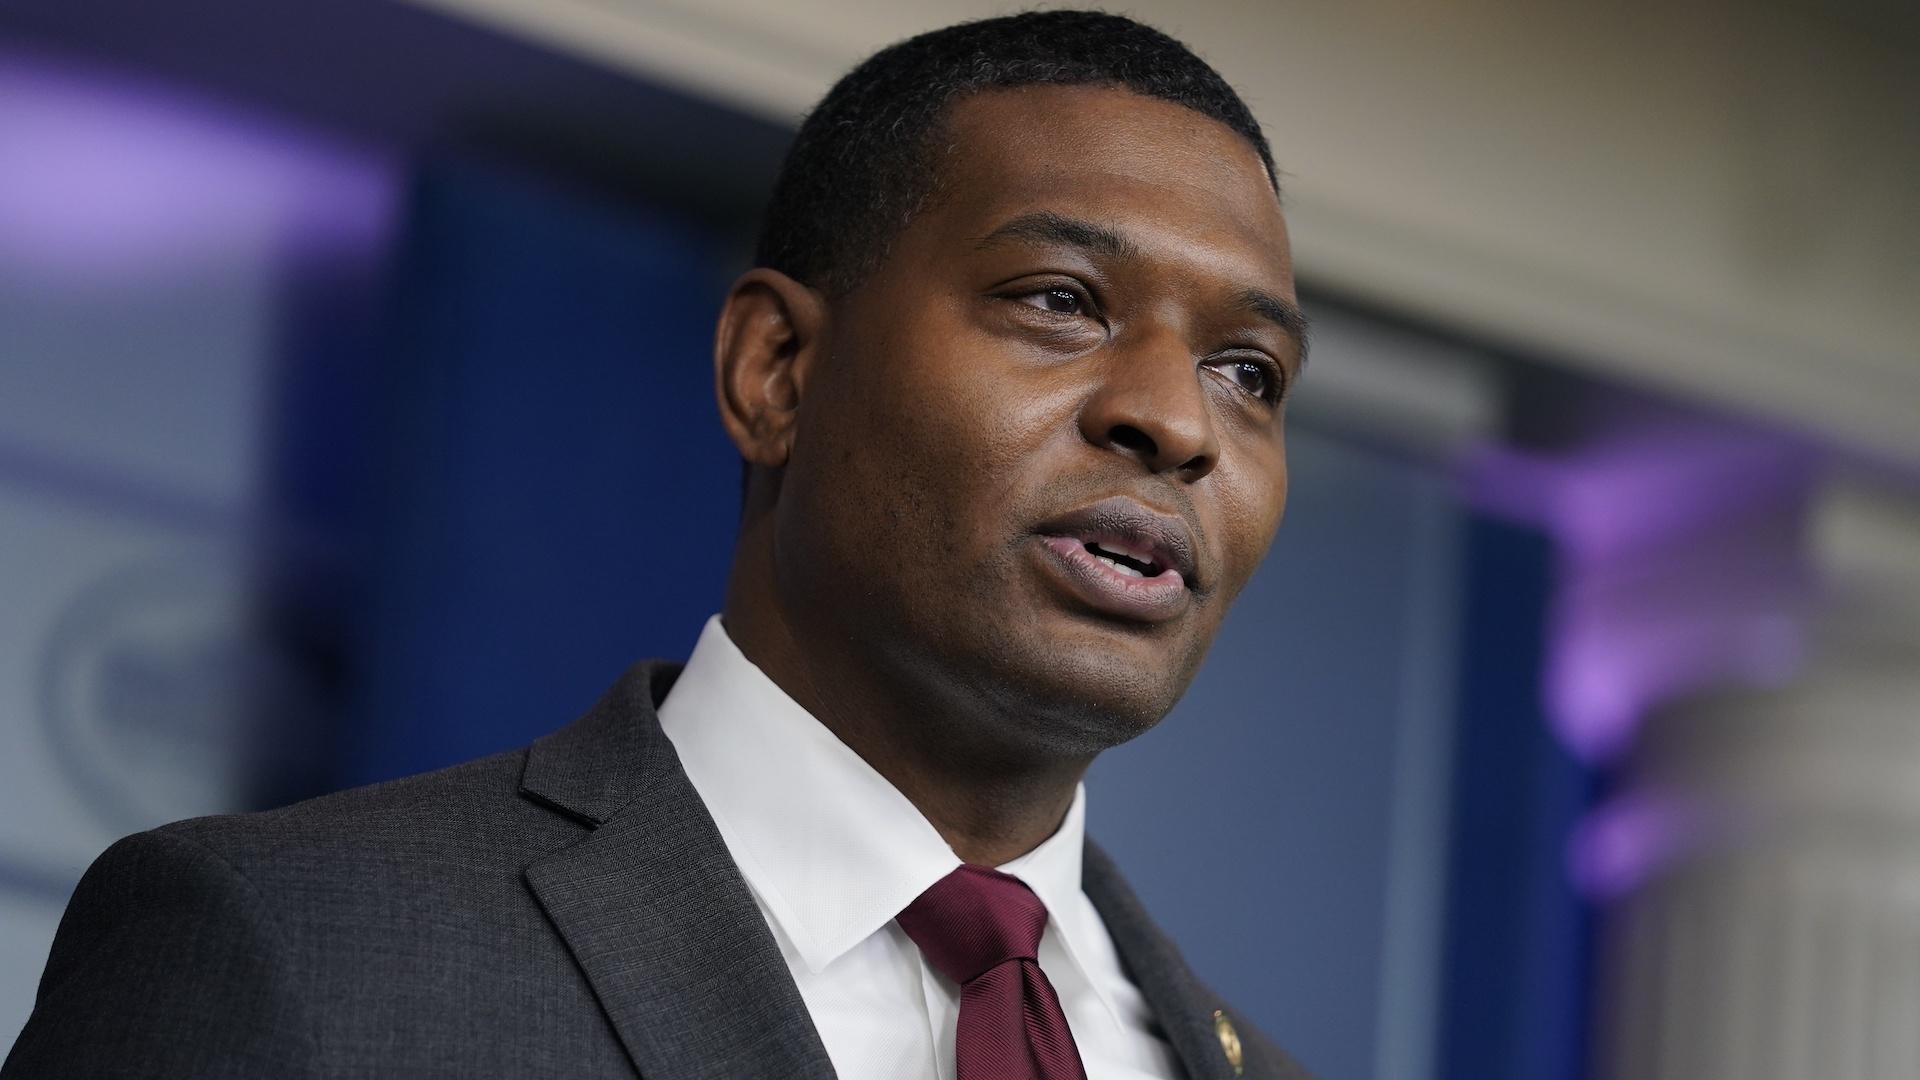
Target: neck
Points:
(990, 804)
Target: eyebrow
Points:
(1047, 227)
(1059, 230)
(1282, 313)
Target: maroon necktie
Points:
(981, 929)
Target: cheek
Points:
(918, 440)
(966, 425)
(1250, 511)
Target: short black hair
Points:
(863, 162)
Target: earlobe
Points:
(768, 334)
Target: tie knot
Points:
(973, 920)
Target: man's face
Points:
(1043, 450)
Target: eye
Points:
(1254, 377)
(1058, 299)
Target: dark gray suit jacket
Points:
(567, 910)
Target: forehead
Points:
(1161, 171)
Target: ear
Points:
(770, 334)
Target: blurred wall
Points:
(148, 239)
(1694, 196)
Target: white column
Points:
(1782, 940)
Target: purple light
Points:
(103, 177)
(1621, 845)
(1639, 487)
(1680, 567)
(1603, 679)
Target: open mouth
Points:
(1130, 539)
(1123, 560)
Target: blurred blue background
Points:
(356, 419)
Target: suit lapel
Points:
(654, 909)
(1183, 1006)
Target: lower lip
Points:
(1115, 592)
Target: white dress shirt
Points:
(832, 852)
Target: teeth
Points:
(1122, 567)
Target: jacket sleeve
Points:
(167, 964)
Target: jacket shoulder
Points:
(470, 814)
(383, 930)
(166, 963)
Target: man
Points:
(1009, 381)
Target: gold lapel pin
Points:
(1229, 1040)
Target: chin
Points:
(1080, 697)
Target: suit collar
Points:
(830, 848)
(652, 906)
(658, 916)
(593, 767)
(1180, 1002)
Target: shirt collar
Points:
(1052, 870)
(832, 849)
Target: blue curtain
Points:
(556, 498)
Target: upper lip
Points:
(1163, 537)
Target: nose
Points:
(1150, 406)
